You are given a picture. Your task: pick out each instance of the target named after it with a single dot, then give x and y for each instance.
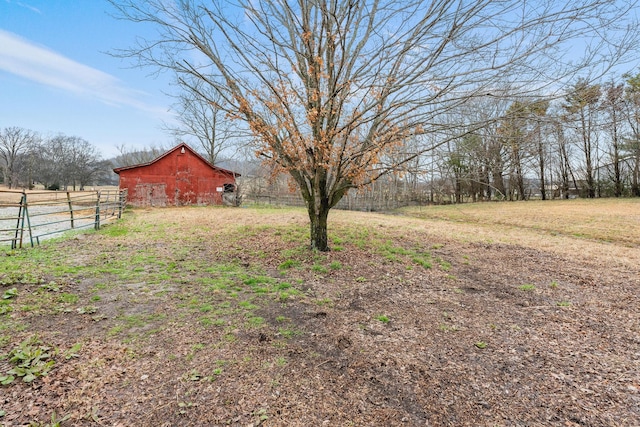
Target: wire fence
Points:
(28, 217)
(353, 201)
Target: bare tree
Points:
(563, 160)
(201, 119)
(68, 161)
(631, 144)
(330, 87)
(613, 107)
(84, 164)
(130, 156)
(521, 132)
(50, 162)
(513, 132)
(537, 111)
(582, 105)
(485, 153)
(15, 142)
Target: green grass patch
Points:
(288, 333)
(444, 265)
(424, 262)
(115, 230)
(255, 321)
(284, 296)
(247, 305)
(383, 318)
(325, 301)
(205, 308)
(67, 298)
(289, 264)
(319, 268)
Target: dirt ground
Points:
(207, 317)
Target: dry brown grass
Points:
(612, 220)
(603, 230)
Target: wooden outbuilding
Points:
(179, 177)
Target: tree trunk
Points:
(458, 189)
(542, 164)
(318, 207)
(635, 185)
(318, 222)
(498, 183)
(586, 145)
(517, 165)
(617, 175)
(618, 188)
(543, 187)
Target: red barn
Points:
(178, 177)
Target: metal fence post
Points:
(70, 208)
(17, 241)
(28, 218)
(122, 200)
(97, 221)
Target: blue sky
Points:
(57, 77)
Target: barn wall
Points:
(174, 180)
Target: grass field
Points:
(606, 220)
(485, 314)
(601, 229)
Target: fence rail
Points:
(27, 217)
(352, 201)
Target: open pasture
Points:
(488, 314)
(606, 220)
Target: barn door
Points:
(147, 194)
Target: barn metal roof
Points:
(177, 147)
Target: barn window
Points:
(229, 188)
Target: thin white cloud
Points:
(26, 6)
(39, 64)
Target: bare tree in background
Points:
(202, 119)
(537, 111)
(83, 165)
(328, 88)
(15, 142)
(613, 107)
(563, 167)
(64, 161)
(582, 105)
(513, 133)
(51, 160)
(132, 156)
(631, 145)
